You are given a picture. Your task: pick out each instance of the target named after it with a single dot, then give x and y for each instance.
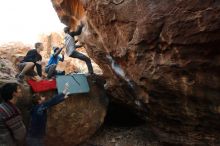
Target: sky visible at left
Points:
(24, 20)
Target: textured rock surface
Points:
(78, 117)
(7, 69)
(160, 57)
(117, 136)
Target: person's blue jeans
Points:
(51, 71)
(34, 141)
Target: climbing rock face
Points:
(7, 69)
(160, 57)
(78, 117)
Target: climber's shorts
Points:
(30, 73)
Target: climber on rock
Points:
(71, 46)
(55, 57)
(31, 60)
(37, 126)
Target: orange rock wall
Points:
(159, 57)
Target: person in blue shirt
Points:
(38, 120)
(55, 57)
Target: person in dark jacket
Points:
(37, 127)
(12, 128)
(55, 57)
(71, 46)
(31, 60)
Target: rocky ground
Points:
(122, 128)
(122, 136)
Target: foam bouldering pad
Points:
(43, 85)
(77, 83)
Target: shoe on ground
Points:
(20, 78)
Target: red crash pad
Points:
(43, 85)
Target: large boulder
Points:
(78, 117)
(159, 57)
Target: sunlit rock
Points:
(167, 50)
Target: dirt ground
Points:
(122, 136)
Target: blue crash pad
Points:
(77, 83)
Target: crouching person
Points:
(37, 126)
(31, 60)
(12, 128)
(55, 57)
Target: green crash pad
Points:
(77, 83)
